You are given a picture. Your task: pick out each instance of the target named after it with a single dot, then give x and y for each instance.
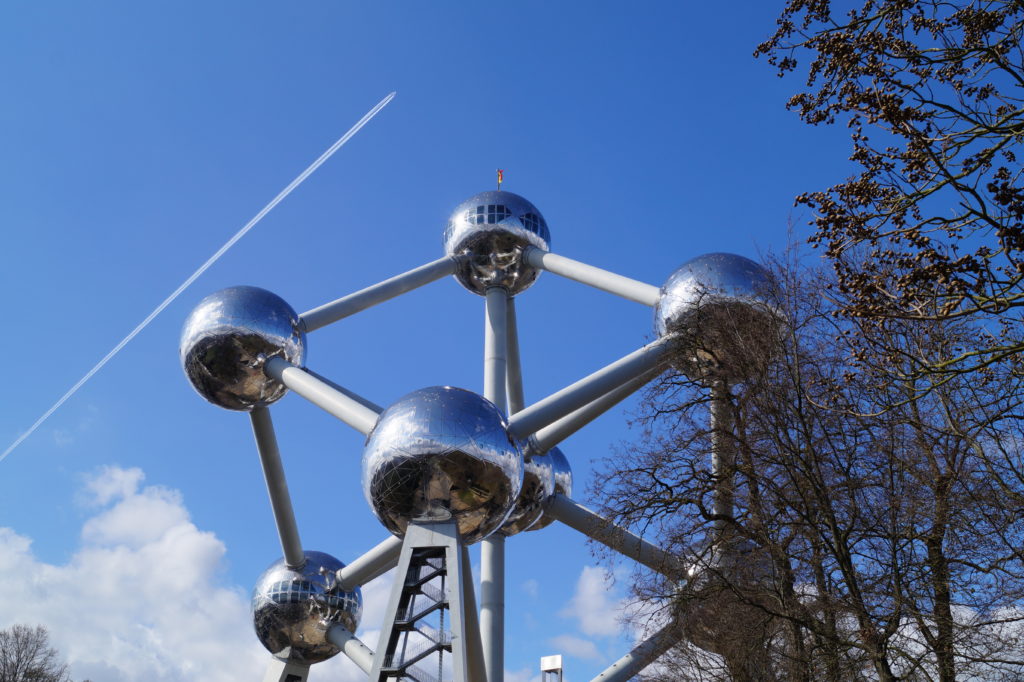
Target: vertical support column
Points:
(514, 368)
(723, 454)
(492, 549)
(474, 646)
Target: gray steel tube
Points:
(492, 549)
(277, 487)
(723, 455)
(553, 434)
(349, 410)
(474, 646)
(365, 402)
(514, 373)
(596, 527)
(632, 289)
(564, 402)
(496, 346)
(378, 293)
(374, 563)
(640, 657)
(351, 646)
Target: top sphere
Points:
(717, 303)
(442, 453)
(292, 610)
(227, 339)
(490, 231)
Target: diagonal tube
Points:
(351, 646)
(555, 433)
(564, 402)
(353, 412)
(378, 293)
(374, 563)
(631, 289)
(596, 527)
(277, 487)
(641, 656)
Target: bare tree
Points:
(26, 656)
(876, 521)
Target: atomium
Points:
(292, 610)
(440, 453)
(229, 336)
(717, 305)
(443, 467)
(488, 233)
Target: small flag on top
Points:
(501, 176)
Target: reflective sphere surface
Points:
(292, 610)
(491, 230)
(561, 473)
(228, 337)
(716, 302)
(723, 589)
(441, 453)
(538, 486)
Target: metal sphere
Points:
(489, 233)
(228, 337)
(292, 610)
(717, 305)
(538, 486)
(442, 453)
(562, 477)
(724, 587)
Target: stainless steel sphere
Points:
(442, 453)
(538, 486)
(723, 589)
(562, 477)
(293, 610)
(228, 337)
(490, 231)
(717, 305)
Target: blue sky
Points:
(136, 138)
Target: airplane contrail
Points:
(203, 268)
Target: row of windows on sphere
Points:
(495, 213)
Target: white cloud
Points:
(577, 647)
(531, 587)
(594, 605)
(141, 597)
(112, 483)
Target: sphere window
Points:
(534, 223)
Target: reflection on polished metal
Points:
(561, 484)
(440, 453)
(489, 233)
(538, 486)
(444, 468)
(724, 589)
(227, 339)
(292, 610)
(717, 303)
